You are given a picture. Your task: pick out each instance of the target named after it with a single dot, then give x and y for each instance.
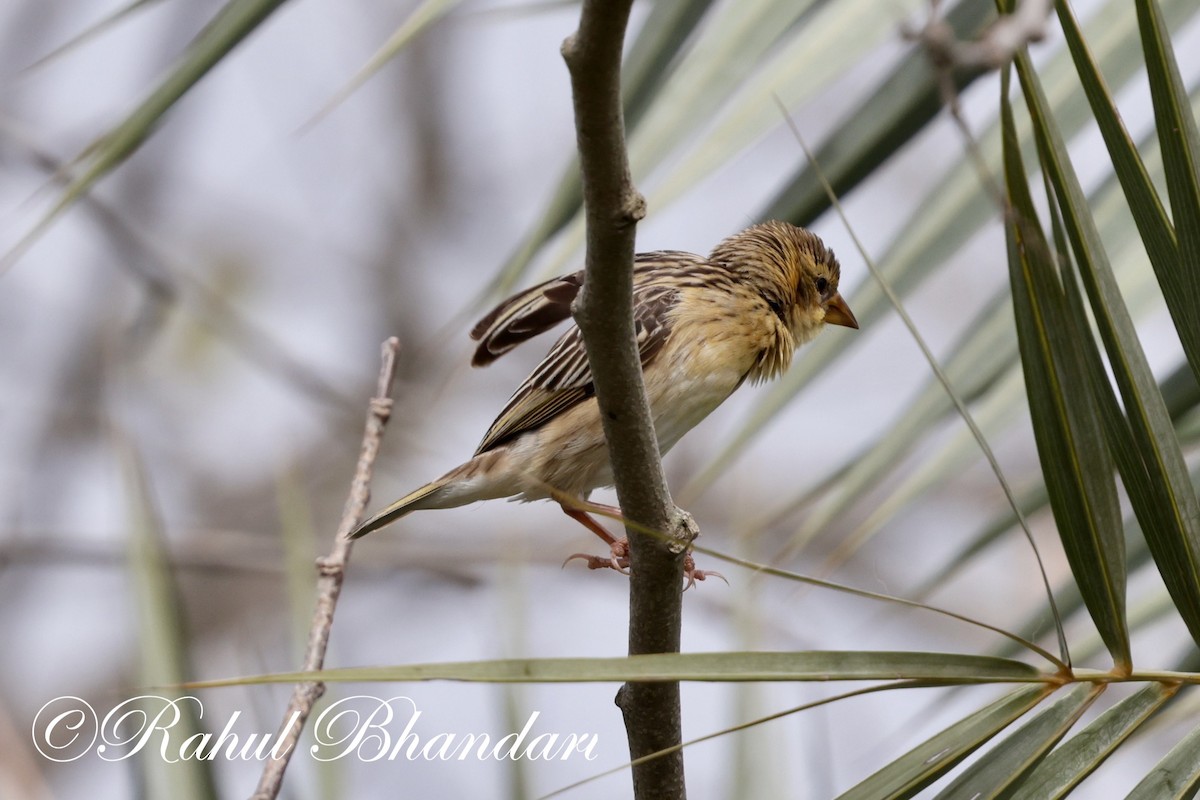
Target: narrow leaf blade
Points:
(1076, 463)
(1180, 140)
(1006, 765)
(1069, 764)
(1172, 523)
(236, 20)
(950, 668)
(1176, 777)
(928, 761)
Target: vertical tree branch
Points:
(604, 313)
(331, 571)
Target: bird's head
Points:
(794, 272)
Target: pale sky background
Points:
(388, 216)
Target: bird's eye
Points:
(822, 284)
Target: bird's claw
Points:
(691, 574)
(618, 559)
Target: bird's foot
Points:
(691, 574)
(618, 559)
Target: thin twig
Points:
(331, 571)
(604, 313)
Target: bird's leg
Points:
(619, 560)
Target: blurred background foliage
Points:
(213, 213)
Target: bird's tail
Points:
(425, 497)
(478, 479)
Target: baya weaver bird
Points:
(704, 327)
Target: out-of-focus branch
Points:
(604, 313)
(995, 48)
(331, 572)
(233, 553)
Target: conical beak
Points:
(838, 313)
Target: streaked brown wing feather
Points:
(539, 308)
(523, 316)
(564, 378)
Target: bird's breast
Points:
(697, 371)
(683, 405)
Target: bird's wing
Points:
(523, 316)
(563, 378)
(539, 308)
